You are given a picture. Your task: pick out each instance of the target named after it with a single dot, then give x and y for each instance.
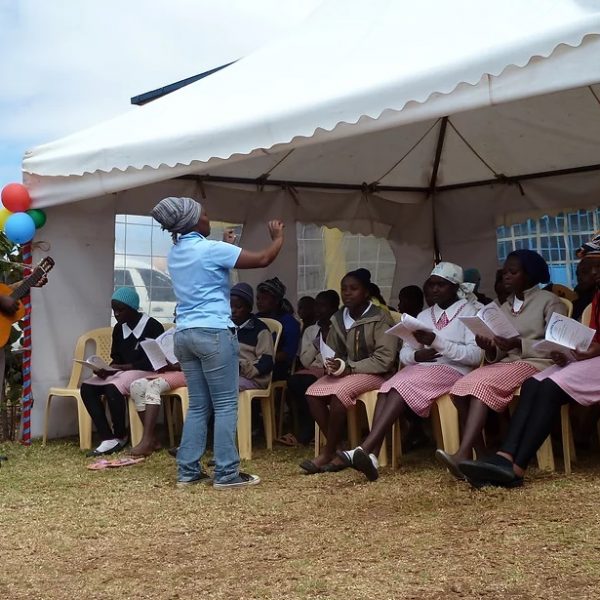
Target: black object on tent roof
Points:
(163, 91)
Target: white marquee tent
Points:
(427, 123)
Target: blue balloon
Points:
(19, 228)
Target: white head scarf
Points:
(454, 274)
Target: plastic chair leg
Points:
(545, 456)
(46, 417)
(244, 428)
(85, 425)
(567, 437)
(136, 427)
(448, 422)
(268, 420)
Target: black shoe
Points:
(204, 478)
(447, 461)
(479, 473)
(242, 480)
(362, 462)
(173, 451)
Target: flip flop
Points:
(126, 461)
(310, 467)
(289, 439)
(447, 461)
(99, 465)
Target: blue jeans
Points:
(209, 359)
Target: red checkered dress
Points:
(420, 386)
(494, 384)
(346, 388)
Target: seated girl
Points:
(542, 396)
(269, 303)
(254, 338)
(326, 305)
(513, 360)
(447, 351)
(131, 363)
(146, 393)
(364, 357)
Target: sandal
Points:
(126, 461)
(99, 465)
(333, 468)
(310, 467)
(289, 439)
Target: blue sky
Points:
(68, 64)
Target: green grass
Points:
(67, 532)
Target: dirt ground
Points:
(67, 532)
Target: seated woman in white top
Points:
(449, 352)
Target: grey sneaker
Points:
(242, 480)
(204, 478)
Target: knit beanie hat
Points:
(244, 292)
(127, 296)
(274, 287)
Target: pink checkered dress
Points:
(347, 388)
(494, 384)
(420, 386)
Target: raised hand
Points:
(229, 236)
(276, 229)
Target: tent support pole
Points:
(432, 188)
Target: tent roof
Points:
(356, 95)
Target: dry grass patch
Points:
(67, 532)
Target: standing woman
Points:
(205, 341)
(543, 395)
(364, 356)
(513, 359)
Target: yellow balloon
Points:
(4, 214)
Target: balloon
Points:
(38, 216)
(4, 214)
(15, 197)
(19, 228)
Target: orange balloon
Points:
(15, 197)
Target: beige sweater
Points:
(530, 322)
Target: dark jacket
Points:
(128, 351)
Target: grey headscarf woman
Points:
(178, 216)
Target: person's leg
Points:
(193, 436)
(388, 408)
(471, 435)
(91, 396)
(334, 432)
(550, 398)
(118, 411)
(529, 400)
(221, 372)
(154, 388)
(319, 409)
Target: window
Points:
(556, 238)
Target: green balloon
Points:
(38, 216)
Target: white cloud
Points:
(68, 64)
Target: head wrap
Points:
(244, 292)
(273, 287)
(177, 215)
(591, 248)
(454, 274)
(533, 264)
(127, 296)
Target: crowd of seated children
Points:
(269, 303)
(130, 362)
(447, 350)
(310, 366)
(364, 356)
(542, 396)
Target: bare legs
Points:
(389, 407)
(472, 414)
(332, 421)
(149, 442)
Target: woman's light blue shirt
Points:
(199, 270)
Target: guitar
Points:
(6, 321)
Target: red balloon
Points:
(15, 197)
